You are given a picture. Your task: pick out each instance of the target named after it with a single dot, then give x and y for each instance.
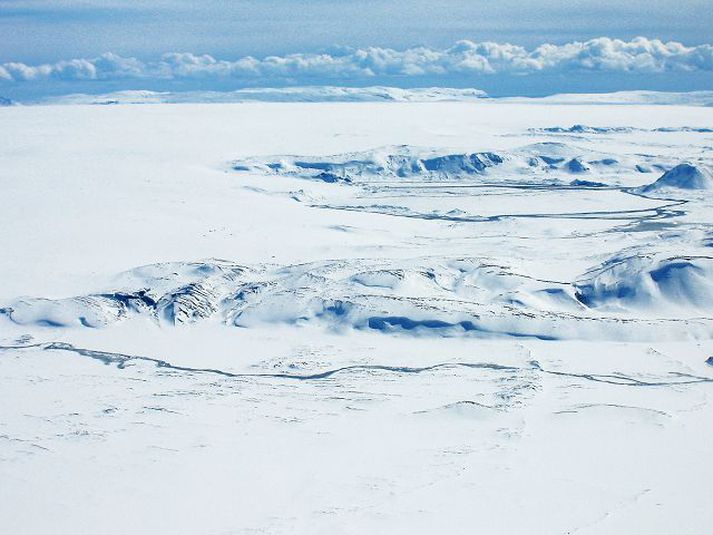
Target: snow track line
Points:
(665, 211)
(121, 359)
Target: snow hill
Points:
(685, 176)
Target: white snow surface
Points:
(356, 317)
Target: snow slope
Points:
(356, 317)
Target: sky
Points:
(51, 33)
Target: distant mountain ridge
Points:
(690, 98)
(374, 94)
(289, 94)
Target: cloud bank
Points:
(464, 59)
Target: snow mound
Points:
(576, 165)
(684, 176)
(176, 292)
(552, 156)
(649, 283)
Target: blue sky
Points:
(45, 32)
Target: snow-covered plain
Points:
(366, 317)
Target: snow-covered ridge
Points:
(550, 161)
(691, 98)
(384, 94)
(401, 161)
(287, 94)
(546, 179)
(583, 129)
(426, 296)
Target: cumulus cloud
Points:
(465, 58)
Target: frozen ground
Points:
(368, 317)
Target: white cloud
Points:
(465, 58)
